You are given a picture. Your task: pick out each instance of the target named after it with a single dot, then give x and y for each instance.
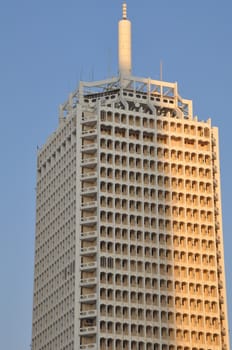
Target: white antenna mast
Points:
(124, 44)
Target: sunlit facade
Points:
(129, 246)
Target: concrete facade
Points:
(129, 245)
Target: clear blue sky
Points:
(46, 46)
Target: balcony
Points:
(89, 162)
(222, 315)
(89, 119)
(213, 141)
(88, 251)
(221, 300)
(88, 282)
(90, 148)
(88, 298)
(89, 190)
(223, 331)
(217, 225)
(89, 205)
(89, 134)
(88, 347)
(220, 284)
(216, 212)
(88, 314)
(89, 176)
(88, 236)
(91, 266)
(88, 330)
(89, 220)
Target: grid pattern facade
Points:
(54, 272)
(129, 246)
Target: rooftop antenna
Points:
(161, 70)
(109, 63)
(124, 43)
(92, 73)
(81, 74)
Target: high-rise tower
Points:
(129, 245)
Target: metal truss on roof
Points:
(156, 93)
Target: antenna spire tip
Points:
(124, 10)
